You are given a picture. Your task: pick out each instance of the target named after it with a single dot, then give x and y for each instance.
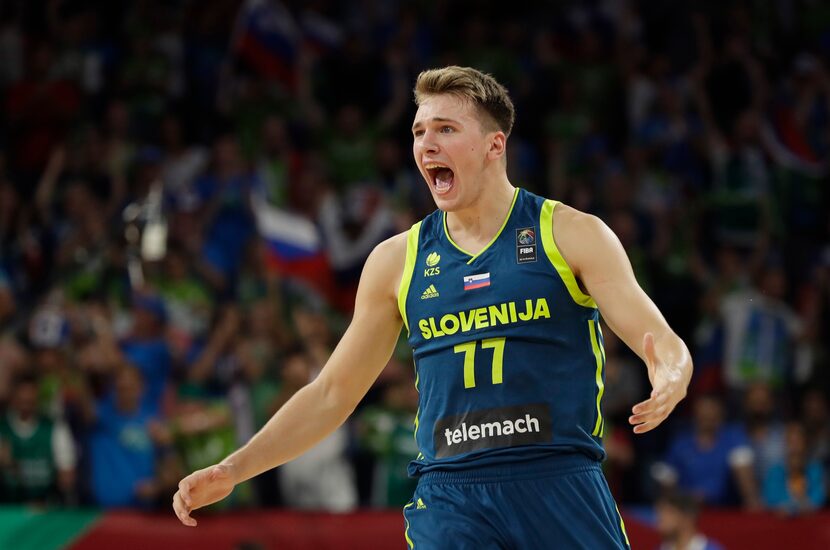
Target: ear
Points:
(498, 146)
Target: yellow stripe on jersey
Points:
(622, 525)
(406, 531)
(599, 355)
(601, 341)
(418, 411)
(556, 259)
(408, 269)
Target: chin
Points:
(448, 202)
(445, 203)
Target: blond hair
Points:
(490, 98)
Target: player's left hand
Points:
(668, 389)
(201, 488)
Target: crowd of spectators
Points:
(148, 327)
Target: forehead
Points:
(445, 106)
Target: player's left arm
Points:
(601, 265)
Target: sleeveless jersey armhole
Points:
(555, 257)
(408, 269)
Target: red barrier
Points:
(283, 530)
(261, 530)
(767, 531)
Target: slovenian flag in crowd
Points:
(472, 282)
(295, 247)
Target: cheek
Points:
(463, 151)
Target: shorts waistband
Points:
(550, 466)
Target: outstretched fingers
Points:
(646, 427)
(648, 414)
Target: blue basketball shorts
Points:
(561, 502)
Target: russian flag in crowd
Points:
(294, 244)
(472, 282)
(319, 33)
(267, 39)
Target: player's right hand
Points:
(668, 386)
(201, 488)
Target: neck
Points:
(482, 219)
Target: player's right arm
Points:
(319, 408)
(599, 262)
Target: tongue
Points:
(443, 179)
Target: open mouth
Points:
(441, 177)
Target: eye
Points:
(447, 129)
(418, 133)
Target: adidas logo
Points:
(430, 292)
(421, 505)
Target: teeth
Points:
(433, 165)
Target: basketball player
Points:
(499, 291)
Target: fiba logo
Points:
(526, 236)
(525, 245)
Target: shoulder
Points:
(384, 266)
(582, 238)
(568, 222)
(390, 253)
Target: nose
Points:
(427, 143)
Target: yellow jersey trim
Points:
(408, 269)
(556, 259)
(496, 236)
(409, 542)
(601, 339)
(622, 525)
(599, 355)
(418, 411)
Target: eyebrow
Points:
(435, 119)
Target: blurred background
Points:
(188, 191)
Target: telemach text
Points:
(525, 424)
(492, 429)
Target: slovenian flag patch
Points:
(472, 282)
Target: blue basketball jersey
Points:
(508, 352)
